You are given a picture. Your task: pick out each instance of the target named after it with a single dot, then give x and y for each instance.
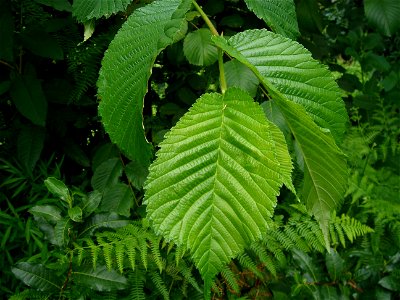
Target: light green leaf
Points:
(57, 188)
(29, 146)
(85, 10)
(237, 74)
(37, 276)
(286, 66)
(309, 84)
(27, 95)
(118, 198)
(100, 279)
(198, 48)
(50, 213)
(280, 15)
(107, 174)
(146, 32)
(384, 14)
(75, 213)
(214, 184)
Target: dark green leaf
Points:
(6, 32)
(237, 74)
(91, 202)
(384, 14)
(42, 43)
(100, 279)
(37, 276)
(117, 198)
(61, 232)
(106, 220)
(61, 5)
(29, 146)
(136, 174)
(103, 153)
(49, 212)
(391, 282)
(107, 174)
(26, 92)
(334, 264)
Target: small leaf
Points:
(89, 29)
(280, 15)
(100, 279)
(391, 283)
(61, 232)
(198, 48)
(27, 95)
(49, 212)
(37, 276)
(237, 74)
(107, 174)
(384, 14)
(117, 198)
(57, 188)
(75, 213)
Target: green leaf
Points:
(136, 174)
(237, 74)
(334, 264)
(107, 174)
(61, 5)
(100, 279)
(308, 265)
(49, 212)
(118, 198)
(106, 220)
(57, 188)
(61, 232)
(146, 32)
(37, 276)
(280, 15)
(214, 184)
(85, 10)
(42, 44)
(75, 213)
(27, 94)
(29, 146)
(311, 85)
(391, 283)
(91, 202)
(198, 48)
(384, 14)
(287, 67)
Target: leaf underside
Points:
(280, 15)
(214, 184)
(126, 68)
(305, 92)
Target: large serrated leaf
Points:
(37, 276)
(286, 66)
(126, 69)
(384, 14)
(325, 170)
(85, 10)
(214, 184)
(100, 279)
(280, 15)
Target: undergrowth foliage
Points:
(170, 149)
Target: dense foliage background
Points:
(50, 57)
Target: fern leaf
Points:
(230, 278)
(85, 10)
(143, 252)
(136, 280)
(215, 181)
(187, 274)
(155, 250)
(263, 256)
(280, 15)
(121, 89)
(119, 256)
(131, 251)
(160, 285)
(247, 263)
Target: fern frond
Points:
(188, 276)
(160, 285)
(119, 256)
(136, 281)
(230, 279)
(264, 257)
(247, 263)
(155, 250)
